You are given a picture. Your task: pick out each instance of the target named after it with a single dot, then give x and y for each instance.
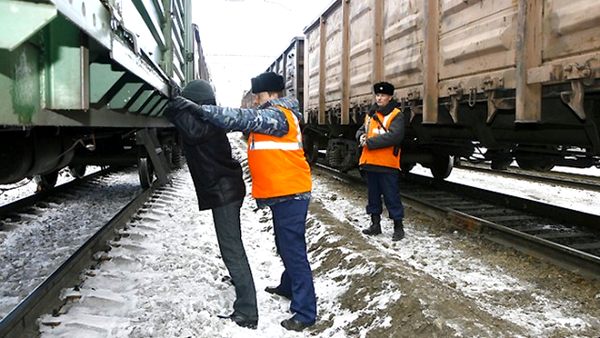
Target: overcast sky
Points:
(241, 38)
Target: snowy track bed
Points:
(165, 279)
(35, 243)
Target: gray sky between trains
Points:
(241, 38)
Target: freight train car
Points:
(505, 79)
(247, 100)
(290, 65)
(84, 82)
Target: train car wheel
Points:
(145, 172)
(77, 171)
(537, 164)
(545, 166)
(442, 166)
(500, 164)
(406, 167)
(46, 182)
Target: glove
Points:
(181, 104)
(174, 89)
(362, 140)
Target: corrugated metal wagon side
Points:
(290, 65)
(80, 79)
(518, 79)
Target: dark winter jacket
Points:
(267, 119)
(216, 175)
(393, 138)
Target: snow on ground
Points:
(439, 257)
(572, 198)
(37, 243)
(12, 192)
(165, 279)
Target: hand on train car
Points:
(174, 89)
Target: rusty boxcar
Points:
(506, 79)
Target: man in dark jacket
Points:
(380, 137)
(280, 180)
(219, 186)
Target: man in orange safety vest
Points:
(380, 137)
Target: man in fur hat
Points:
(280, 180)
(219, 186)
(380, 137)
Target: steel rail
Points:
(491, 214)
(21, 321)
(564, 179)
(31, 200)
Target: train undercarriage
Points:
(466, 130)
(41, 152)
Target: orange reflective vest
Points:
(383, 157)
(277, 164)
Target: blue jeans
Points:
(229, 236)
(388, 185)
(289, 223)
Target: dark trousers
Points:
(289, 223)
(229, 236)
(388, 185)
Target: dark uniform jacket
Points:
(216, 175)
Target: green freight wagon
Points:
(86, 82)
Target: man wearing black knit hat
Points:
(380, 137)
(280, 180)
(219, 186)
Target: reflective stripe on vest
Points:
(276, 145)
(277, 164)
(383, 157)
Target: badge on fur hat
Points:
(383, 88)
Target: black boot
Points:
(398, 230)
(375, 228)
(241, 320)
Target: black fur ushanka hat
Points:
(383, 88)
(267, 82)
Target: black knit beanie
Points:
(267, 82)
(199, 91)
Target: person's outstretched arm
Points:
(270, 121)
(191, 129)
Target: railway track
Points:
(20, 205)
(42, 292)
(565, 237)
(569, 180)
